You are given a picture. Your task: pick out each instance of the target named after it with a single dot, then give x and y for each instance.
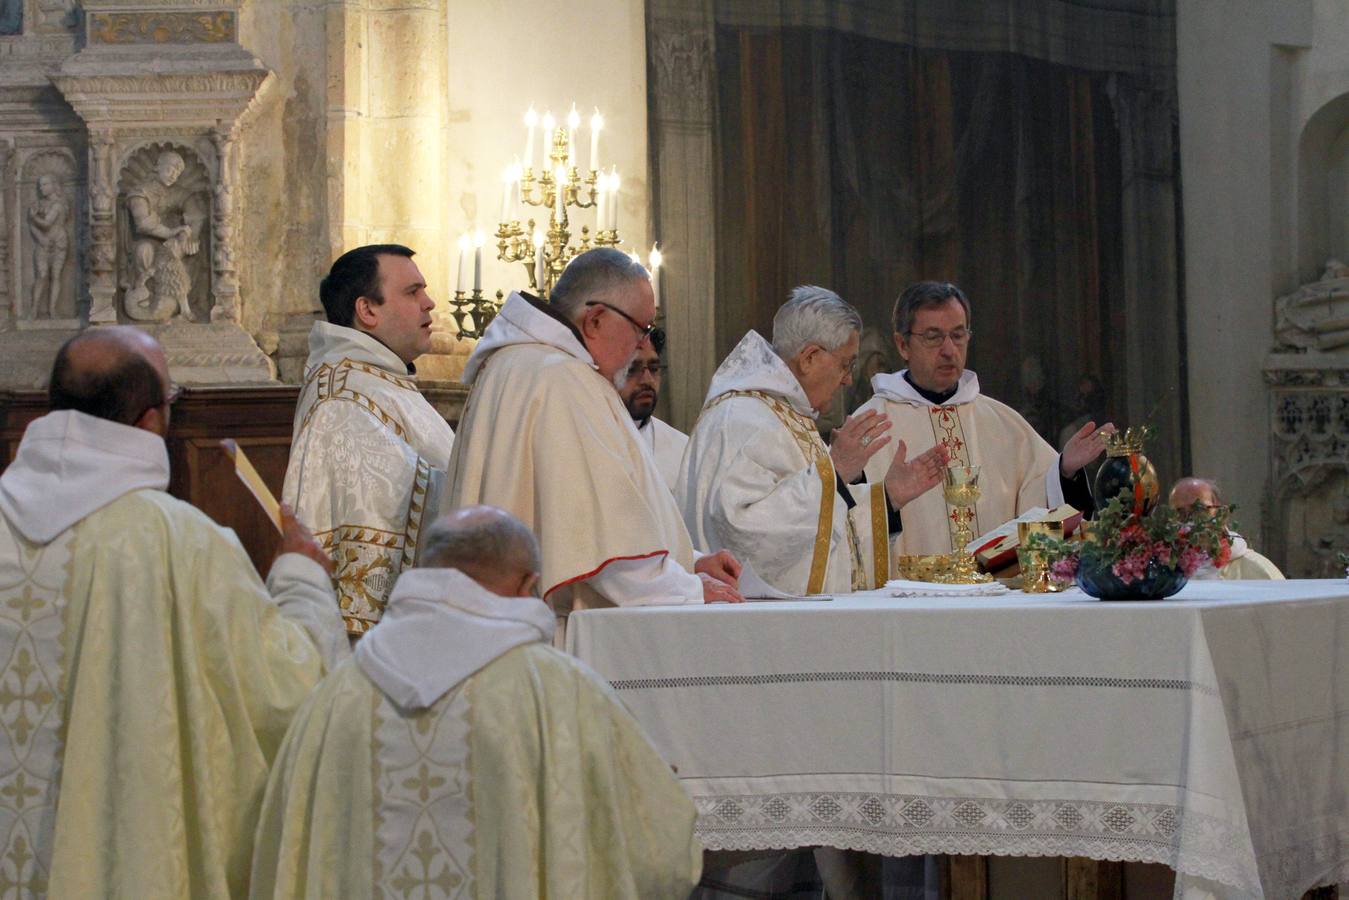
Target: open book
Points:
(997, 548)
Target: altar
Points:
(1206, 733)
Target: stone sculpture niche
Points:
(164, 236)
(1316, 315)
(50, 217)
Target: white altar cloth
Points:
(1207, 732)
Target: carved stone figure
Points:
(49, 223)
(166, 226)
(1316, 315)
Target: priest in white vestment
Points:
(459, 753)
(1201, 496)
(639, 393)
(758, 479)
(546, 437)
(150, 674)
(937, 398)
(368, 454)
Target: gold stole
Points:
(813, 449)
(946, 428)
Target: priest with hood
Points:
(545, 436)
(368, 455)
(151, 674)
(757, 478)
(458, 750)
(937, 398)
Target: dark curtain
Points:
(862, 165)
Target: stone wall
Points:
(1263, 122)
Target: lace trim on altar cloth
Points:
(907, 825)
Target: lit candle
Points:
(507, 186)
(573, 122)
(531, 119)
(635, 256)
(538, 261)
(596, 126)
(462, 286)
(655, 273)
(478, 240)
(560, 192)
(614, 183)
(602, 202)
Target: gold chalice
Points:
(1034, 565)
(960, 484)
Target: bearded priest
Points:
(757, 478)
(936, 397)
(546, 437)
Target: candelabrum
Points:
(960, 484)
(556, 188)
(473, 312)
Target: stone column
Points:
(102, 229)
(225, 281)
(680, 38)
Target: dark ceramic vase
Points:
(1115, 476)
(1157, 583)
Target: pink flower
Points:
(1131, 568)
(1063, 569)
(1191, 558)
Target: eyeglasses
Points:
(643, 331)
(935, 337)
(175, 393)
(849, 366)
(655, 370)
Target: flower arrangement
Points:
(1146, 553)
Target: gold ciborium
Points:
(1034, 566)
(960, 484)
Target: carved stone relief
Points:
(49, 210)
(163, 254)
(1316, 315)
(207, 27)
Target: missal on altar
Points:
(997, 549)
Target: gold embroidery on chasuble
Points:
(32, 692)
(423, 800)
(813, 450)
(368, 557)
(880, 537)
(946, 429)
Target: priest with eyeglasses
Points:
(936, 397)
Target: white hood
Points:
(329, 343)
(519, 322)
(893, 386)
(71, 464)
(754, 366)
(440, 627)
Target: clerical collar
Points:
(548, 310)
(936, 398)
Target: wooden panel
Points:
(1090, 879)
(964, 878)
(258, 417)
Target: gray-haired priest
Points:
(757, 478)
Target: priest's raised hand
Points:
(856, 441)
(1083, 447)
(910, 478)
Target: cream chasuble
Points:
(149, 676)
(367, 461)
(758, 480)
(667, 448)
(546, 437)
(515, 773)
(1019, 470)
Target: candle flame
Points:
(548, 121)
(531, 117)
(596, 121)
(479, 238)
(463, 242)
(538, 237)
(655, 256)
(573, 117)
